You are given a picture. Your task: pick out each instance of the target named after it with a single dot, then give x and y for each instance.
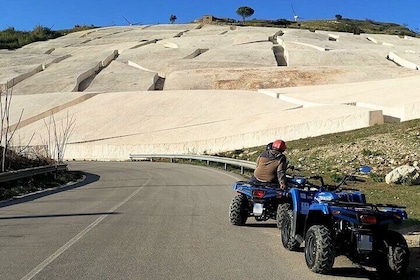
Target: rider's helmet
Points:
(269, 146)
(279, 145)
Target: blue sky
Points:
(24, 15)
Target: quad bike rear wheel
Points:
(319, 249)
(289, 242)
(394, 255)
(238, 210)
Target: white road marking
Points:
(76, 238)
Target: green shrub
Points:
(377, 177)
(336, 178)
(367, 153)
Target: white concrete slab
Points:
(182, 121)
(395, 97)
(31, 108)
(222, 87)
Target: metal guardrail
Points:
(226, 161)
(28, 172)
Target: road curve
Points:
(144, 220)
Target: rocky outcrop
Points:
(406, 175)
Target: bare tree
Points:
(6, 131)
(57, 137)
(58, 134)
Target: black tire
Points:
(319, 249)
(281, 212)
(238, 213)
(394, 255)
(289, 242)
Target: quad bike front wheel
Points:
(282, 209)
(238, 212)
(319, 249)
(288, 241)
(394, 255)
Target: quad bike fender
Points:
(303, 207)
(317, 217)
(301, 200)
(243, 187)
(315, 207)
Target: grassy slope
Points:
(382, 147)
(343, 25)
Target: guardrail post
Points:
(225, 166)
(242, 170)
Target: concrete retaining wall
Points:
(11, 83)
(350, 121)
(89, 73)
(411, 111)
(401, 61)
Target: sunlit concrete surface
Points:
(192, 88)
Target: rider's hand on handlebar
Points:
(283, 185)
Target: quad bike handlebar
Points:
(328, 187)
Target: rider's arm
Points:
(281, 172)
(258, 160)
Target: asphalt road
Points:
(145, 220)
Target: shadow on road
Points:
(261, 225)
(353, 272)
(414, 265)
(89, 178)
(59, 215)
(413, 271)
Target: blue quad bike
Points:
(262, 201)
(335, 220)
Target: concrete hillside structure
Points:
(201, 88)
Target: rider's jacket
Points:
(271, 167)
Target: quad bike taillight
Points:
(368, 219)
(258, 193)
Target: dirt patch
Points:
(275, 77)
(254, 79)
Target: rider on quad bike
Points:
(263, 196)
(271, 165)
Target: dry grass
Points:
(383, 147)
